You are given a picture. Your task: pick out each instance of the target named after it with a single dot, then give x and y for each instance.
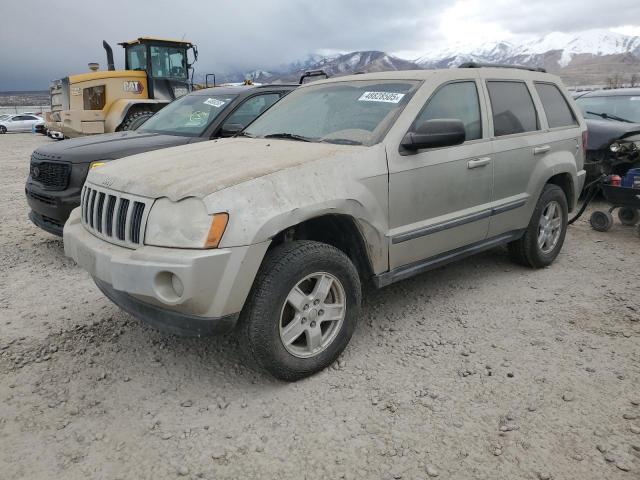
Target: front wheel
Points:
(135, 119)
(302, 311)
(544, 236)
(3, 129)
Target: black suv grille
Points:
(51, 175)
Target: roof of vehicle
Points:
(448, 72)
(235, 90)
(617, 92)
(153, 39)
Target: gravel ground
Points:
(482, 369)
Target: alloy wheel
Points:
(312, 315)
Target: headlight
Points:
(98, 163)
(184, 224)
(624, 146)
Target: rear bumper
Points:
(581, 178)
(214, 283)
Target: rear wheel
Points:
(601, 221)
(302, 311)
(135, 119)
(544, 236)
(629, 216)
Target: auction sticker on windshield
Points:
(214, 102)
(388, 97)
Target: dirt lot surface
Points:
(482, 369)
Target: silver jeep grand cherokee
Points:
(368, 177)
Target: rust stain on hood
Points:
(203, 168)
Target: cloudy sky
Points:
(41, 40)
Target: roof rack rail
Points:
(500, 65)
(313, 73)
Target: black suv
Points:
(613, 122)
(58, 170)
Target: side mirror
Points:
(230, 129)
(439, 132)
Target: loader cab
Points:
(166, 63)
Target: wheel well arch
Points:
(338, 230)
(121, 108)
(565, 182)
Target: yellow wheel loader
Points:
(101, 101)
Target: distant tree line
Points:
(618, 81)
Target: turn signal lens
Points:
(96, 165)
(218, 225)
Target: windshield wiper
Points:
(243, 134)
(288, 136)
(341, 141)
(608, 115)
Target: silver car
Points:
(365, 178)
(20, 123)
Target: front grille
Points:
(115, 217)
(51, 175)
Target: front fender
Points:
(353, 185)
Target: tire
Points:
(264, 318)
(135, 119)
(601, 221)
(3, 129)
(628, 216)
(527, 250)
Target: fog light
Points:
(168, 287)
(177, 285)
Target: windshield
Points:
(621, 108)
(350, 113)
(188, 116)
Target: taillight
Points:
(585, 138)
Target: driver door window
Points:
(457, 101)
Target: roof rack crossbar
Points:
(500, 65)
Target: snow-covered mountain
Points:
(558, 49)
(343, 64)
(585, 58)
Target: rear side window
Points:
(555, 106)
(512, 106)
(458, 101)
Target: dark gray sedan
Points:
(58, 170)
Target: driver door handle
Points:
(541, 150)
(478, 162)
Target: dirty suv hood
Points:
(201, 169)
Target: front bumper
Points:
(51, 209)
(215, 283)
